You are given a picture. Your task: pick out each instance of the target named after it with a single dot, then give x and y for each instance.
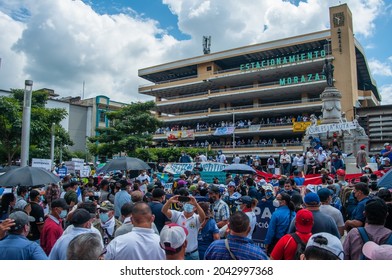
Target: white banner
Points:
(85, 172)
(79, 162)
(42, 163)
(331, 127)
(70, 166)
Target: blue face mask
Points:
(63, 214)
(104, 217)
(268, 194)
(188, 208)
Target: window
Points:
(209, 68)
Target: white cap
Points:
(172, 237)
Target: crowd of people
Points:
(269, 121)
(113, 217)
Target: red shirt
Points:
(52, 231)
(286, 246)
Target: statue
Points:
(358, 127)
(328, 72)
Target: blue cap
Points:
(312, 199)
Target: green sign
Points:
(301, 79)
(257, 65)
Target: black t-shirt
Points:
(38, 213)
(160, 218)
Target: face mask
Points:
(188, 208)
(26, 197)
(367, 171)
(239, 208)
(276, 203)
(104, 217)
(211, 200)
(268, 194)
(63, 214)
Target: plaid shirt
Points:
(221, 211)
(241, 247)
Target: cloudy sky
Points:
(95, 47)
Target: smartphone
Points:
(183, 198)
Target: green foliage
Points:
(132, 127)
(11, 114)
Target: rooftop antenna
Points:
(206, 44)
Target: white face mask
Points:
(276, 203)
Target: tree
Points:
(131, 127)
(11, 112)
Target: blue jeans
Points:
(192, 256)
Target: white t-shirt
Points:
(252, 224)
(192, 224)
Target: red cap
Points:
(362, 147)
(304, 221)
(341, 172)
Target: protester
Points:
(208, 232)
(141, 243)
(8, 201)
(156, 204)
(236, 246)
(81, 219)
(322, 222)
(107, 223)
(386, 195)
(245, 205)
(173, 239)
(376, 212)
(325, 196)
(357, 219)
(85, 246)
(37, 212)
(220, 209)
(189, 219)
(121, 198)
(323, 246)
(22, 194)
(280, 220)
(53, 225)
(286, 247)
(15, 245)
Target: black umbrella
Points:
(8, 168)
(125, 163)
(239, 168)
(28, 176)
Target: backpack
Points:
(271, 161)
(365, 238)
(301, 246)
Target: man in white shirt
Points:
(285, 162)
(141, 243)
(187, 218)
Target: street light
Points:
(25, 142)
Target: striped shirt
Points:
(242, 248)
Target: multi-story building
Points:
(259, 89)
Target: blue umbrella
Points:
(239, 168)
(386, 180)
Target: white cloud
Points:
(60, 44)
(380, 68)
(386, 93)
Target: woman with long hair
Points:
(8, 201)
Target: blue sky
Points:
(63, 44)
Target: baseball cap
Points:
(20, 219)
(304, 221)
(172, 237)
(106, 206)
(312, 199)
(244, 200)
(214, 189)
(332, 243)
(324, 193)
(80, 216)
(373, 251)
(231, 184)
(341, 172)
(362, 146)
